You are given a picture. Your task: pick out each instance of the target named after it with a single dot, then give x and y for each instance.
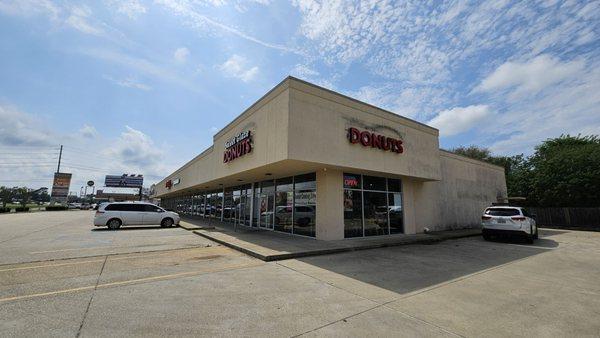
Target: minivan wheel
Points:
(167, 222)
(114, 224)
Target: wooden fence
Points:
(586, 218)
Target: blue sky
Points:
(142, 86)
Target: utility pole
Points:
(59, 158)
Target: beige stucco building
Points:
(308, 161)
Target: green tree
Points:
(563, 171)
(567, 172)
(6, 195)
(23, 194)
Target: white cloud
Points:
(130, 8)
(88, 131)
(30, 150)
(570, 107)
(28, 8)
(202, 22)
(459, 119)
(530, 76)
(181, 54)
(237, 66)
(22, 129)
(141, 65)
(414, 102)
(136, 151)
(426, 42)
(303, 72)
(78, 19)
(128, 82)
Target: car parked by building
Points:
(508, 220)
(115, 215)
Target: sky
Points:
(141, 87)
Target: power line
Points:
(29, 153)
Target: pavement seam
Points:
(384, 304)
(110, 254)
(132, 282)
(87, 309)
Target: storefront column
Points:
(330, 205)
(408, 200)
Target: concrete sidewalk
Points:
(274, 246)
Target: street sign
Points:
(90, 183)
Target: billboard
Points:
(60, 186)
(126, 181)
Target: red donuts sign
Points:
(373, 140)
(237, 146)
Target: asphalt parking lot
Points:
(59, 277)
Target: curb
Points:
(432, 239)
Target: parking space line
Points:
(132, 281)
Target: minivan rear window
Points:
(502, 212)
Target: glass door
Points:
(266, 202)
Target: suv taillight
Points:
(486, 218)
(518, 218)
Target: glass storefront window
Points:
(373, 210)
(305, 211)
(306, 181)
(374, 183)
(284, 201)
(267, 187)
(394, 185)
(227, 207)
(352, 181)
(285, 184)
(396, 215)
(376, 215)
(287, 204)
(353, 213)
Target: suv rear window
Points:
(502, 212)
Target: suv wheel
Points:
(114, 224)
(167, 222)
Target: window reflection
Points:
(369, 209)
(353, 213)
(375, 205)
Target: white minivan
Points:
(114, 215)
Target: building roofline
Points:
(473, 160)
(284, 83)
(395, 115)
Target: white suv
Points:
(113, 215)
(506, 220)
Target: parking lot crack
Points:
(87, 309)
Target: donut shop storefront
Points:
(307, 161)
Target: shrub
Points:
(3, 210)
(21, 209)
(56, 207)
